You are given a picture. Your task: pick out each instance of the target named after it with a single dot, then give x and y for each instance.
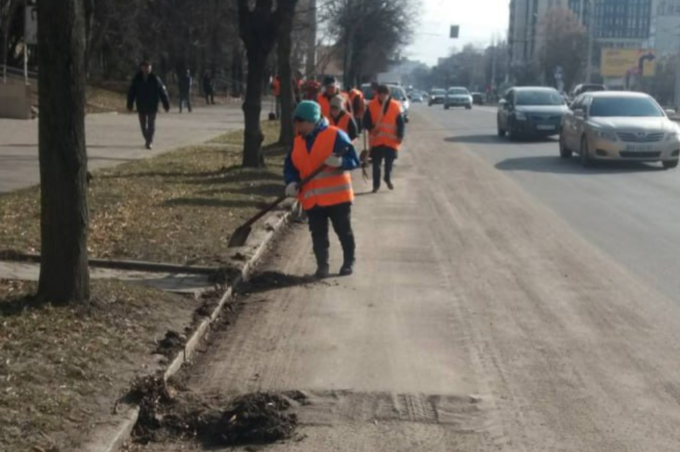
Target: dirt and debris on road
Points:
(171, 343)
(167, 414)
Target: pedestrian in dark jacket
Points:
(147, 91)
(208, 89)
(186, 81)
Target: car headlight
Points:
(520, 116)
(606, 135)
(673, 136)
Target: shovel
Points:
(241, 234)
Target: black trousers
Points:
(147, 121)
(184, 98)
(378, 154)
(340, 217)
(210, 97)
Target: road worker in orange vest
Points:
(330, 90)
(343, 120)
(356, 98)
(329, 195)
(386, 127)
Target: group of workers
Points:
(317, 169)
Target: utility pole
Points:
(589, 61)
(677, 80)
(310, 68)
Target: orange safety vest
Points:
(276, 87)
(342, 122)
(330, 187)
(353, 94)
(384, 131)
(325, 104)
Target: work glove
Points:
(334, 161)
(293, 190)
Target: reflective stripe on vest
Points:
(330, 187)
(385, 126)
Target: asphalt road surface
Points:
(488, 312)
(629, 210)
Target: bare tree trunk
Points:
(252, 109)
(64, 275)
(285, 47)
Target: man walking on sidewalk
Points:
(186, 82)
(329, 195)
(147, 90)
(385, 125)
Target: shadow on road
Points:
(550, 164)
(495, 139)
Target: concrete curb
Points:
(115, 437)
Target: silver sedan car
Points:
(613, 125)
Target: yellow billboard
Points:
(622, 62)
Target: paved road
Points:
(111, 139)
(479, 319)
(631, 211)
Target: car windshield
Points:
(438, 92)
(542, 97)
(457, 91)
(625, 106)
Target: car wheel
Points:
(584, 153)
(501, 132)
(565, 152)
(670, 164)
(468, 107)
(446, 107)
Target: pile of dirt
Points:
(172, 343)
(259, 418)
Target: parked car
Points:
(530, 111)
(458, 97)
(416, 98)
(586, 88)
(619, 126)
(436, 97)
(478, 98)
(398, 93)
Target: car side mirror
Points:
(580, 113)
(670, 112)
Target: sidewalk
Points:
(111, 139)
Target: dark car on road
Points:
(530, 111)
(478, 98)
(436, 97)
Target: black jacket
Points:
(147, 94)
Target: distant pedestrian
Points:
(186, 82)
(329, 195)
(208, 89)
(298, 83)
(386, 127)
(276, 91)
(341, 119)
(146, 91)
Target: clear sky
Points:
(479, 20)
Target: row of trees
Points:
(78, 39)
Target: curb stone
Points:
(114, 438)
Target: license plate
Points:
(639, 148)
(545, 127)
